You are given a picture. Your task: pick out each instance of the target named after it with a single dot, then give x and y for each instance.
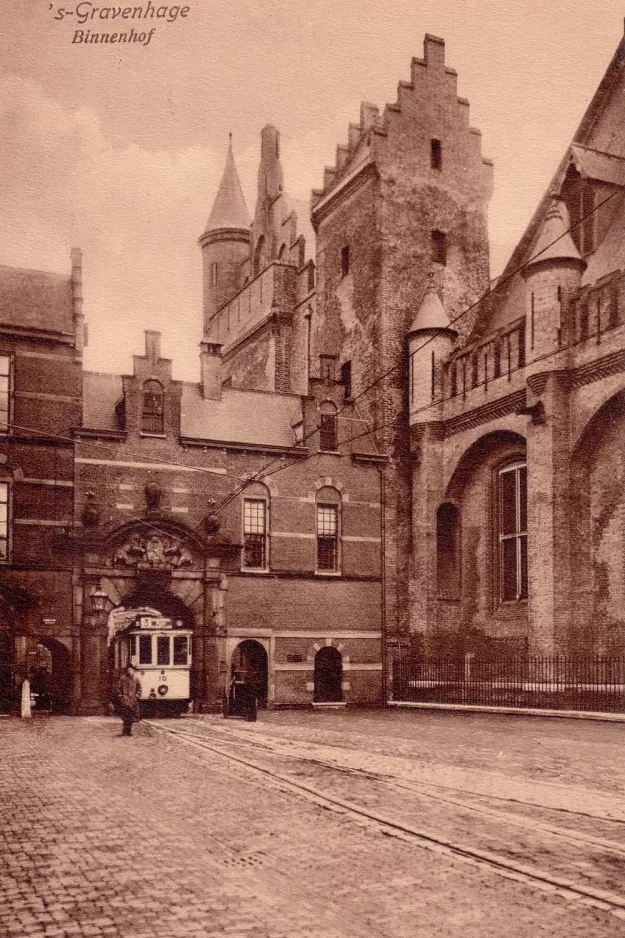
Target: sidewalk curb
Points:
(523, 711)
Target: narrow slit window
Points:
(439, 248)
(436, 154)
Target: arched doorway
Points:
(6, 671)
(328, 675)
(250, 659)
(51, 675)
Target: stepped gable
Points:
(365, 140)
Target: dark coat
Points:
(128, 692)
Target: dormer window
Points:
(152, 409)
(436, 154)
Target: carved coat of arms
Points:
(154, 550)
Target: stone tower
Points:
(408, 195)
(225, 242)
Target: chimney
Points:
(210, 368)
(152, 346)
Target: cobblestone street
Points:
(151, 836)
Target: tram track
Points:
(511, 868)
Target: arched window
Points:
(447, 551)
(255, 528)
(512, 532)
(282, 252)
(328, 508)
(579, 195)
(152, 409)
(259, 256)
(328, 427)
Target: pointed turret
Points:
(229, 208)
(554, 241)
(430, 341)
(225, 241)
(553, 277)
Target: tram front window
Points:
(180, 649)
(162, 649)
(145, 649)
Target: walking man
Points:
(128, 693)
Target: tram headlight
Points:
(162, 689)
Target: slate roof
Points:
(258, 417)
(229, 208)
(100, 394)
(36, 299)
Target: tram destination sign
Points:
(155, 622)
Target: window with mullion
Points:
(152, 418)
(255, 533)
(513, 568)
(327, 537)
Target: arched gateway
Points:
(153, 594)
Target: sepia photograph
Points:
(312, 469)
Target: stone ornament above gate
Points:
(158, 551)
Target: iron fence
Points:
(590, 683)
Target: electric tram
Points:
(160, 651)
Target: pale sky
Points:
(118, 149)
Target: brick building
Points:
(41, 339)
(382, 449)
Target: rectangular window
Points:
(344, 261)
(513, 533)
(327, 537)
(213, 274)
(5, 392)
(145, 649)
(346, 378)
(328, 435)
(436, 154)
(181, 653)
(255, 533)
(162, 649)
(4, 522)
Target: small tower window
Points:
(344, 260)
(436, 154)
(213, 274)
(152, 413)
(439, 248)
(346, 378)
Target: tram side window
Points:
(180, 649)
(145, 649)
(162, 649)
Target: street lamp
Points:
(98, 599)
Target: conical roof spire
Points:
(554, 241)
(431, 314)
(229, 208)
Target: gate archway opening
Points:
(250, 659)
(328, 678)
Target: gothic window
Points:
(5, 392)
(255, 533)
(512, 532)
(436, 154)
(328, 427)
(439, 247)
(328, 530)
(152, 414)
